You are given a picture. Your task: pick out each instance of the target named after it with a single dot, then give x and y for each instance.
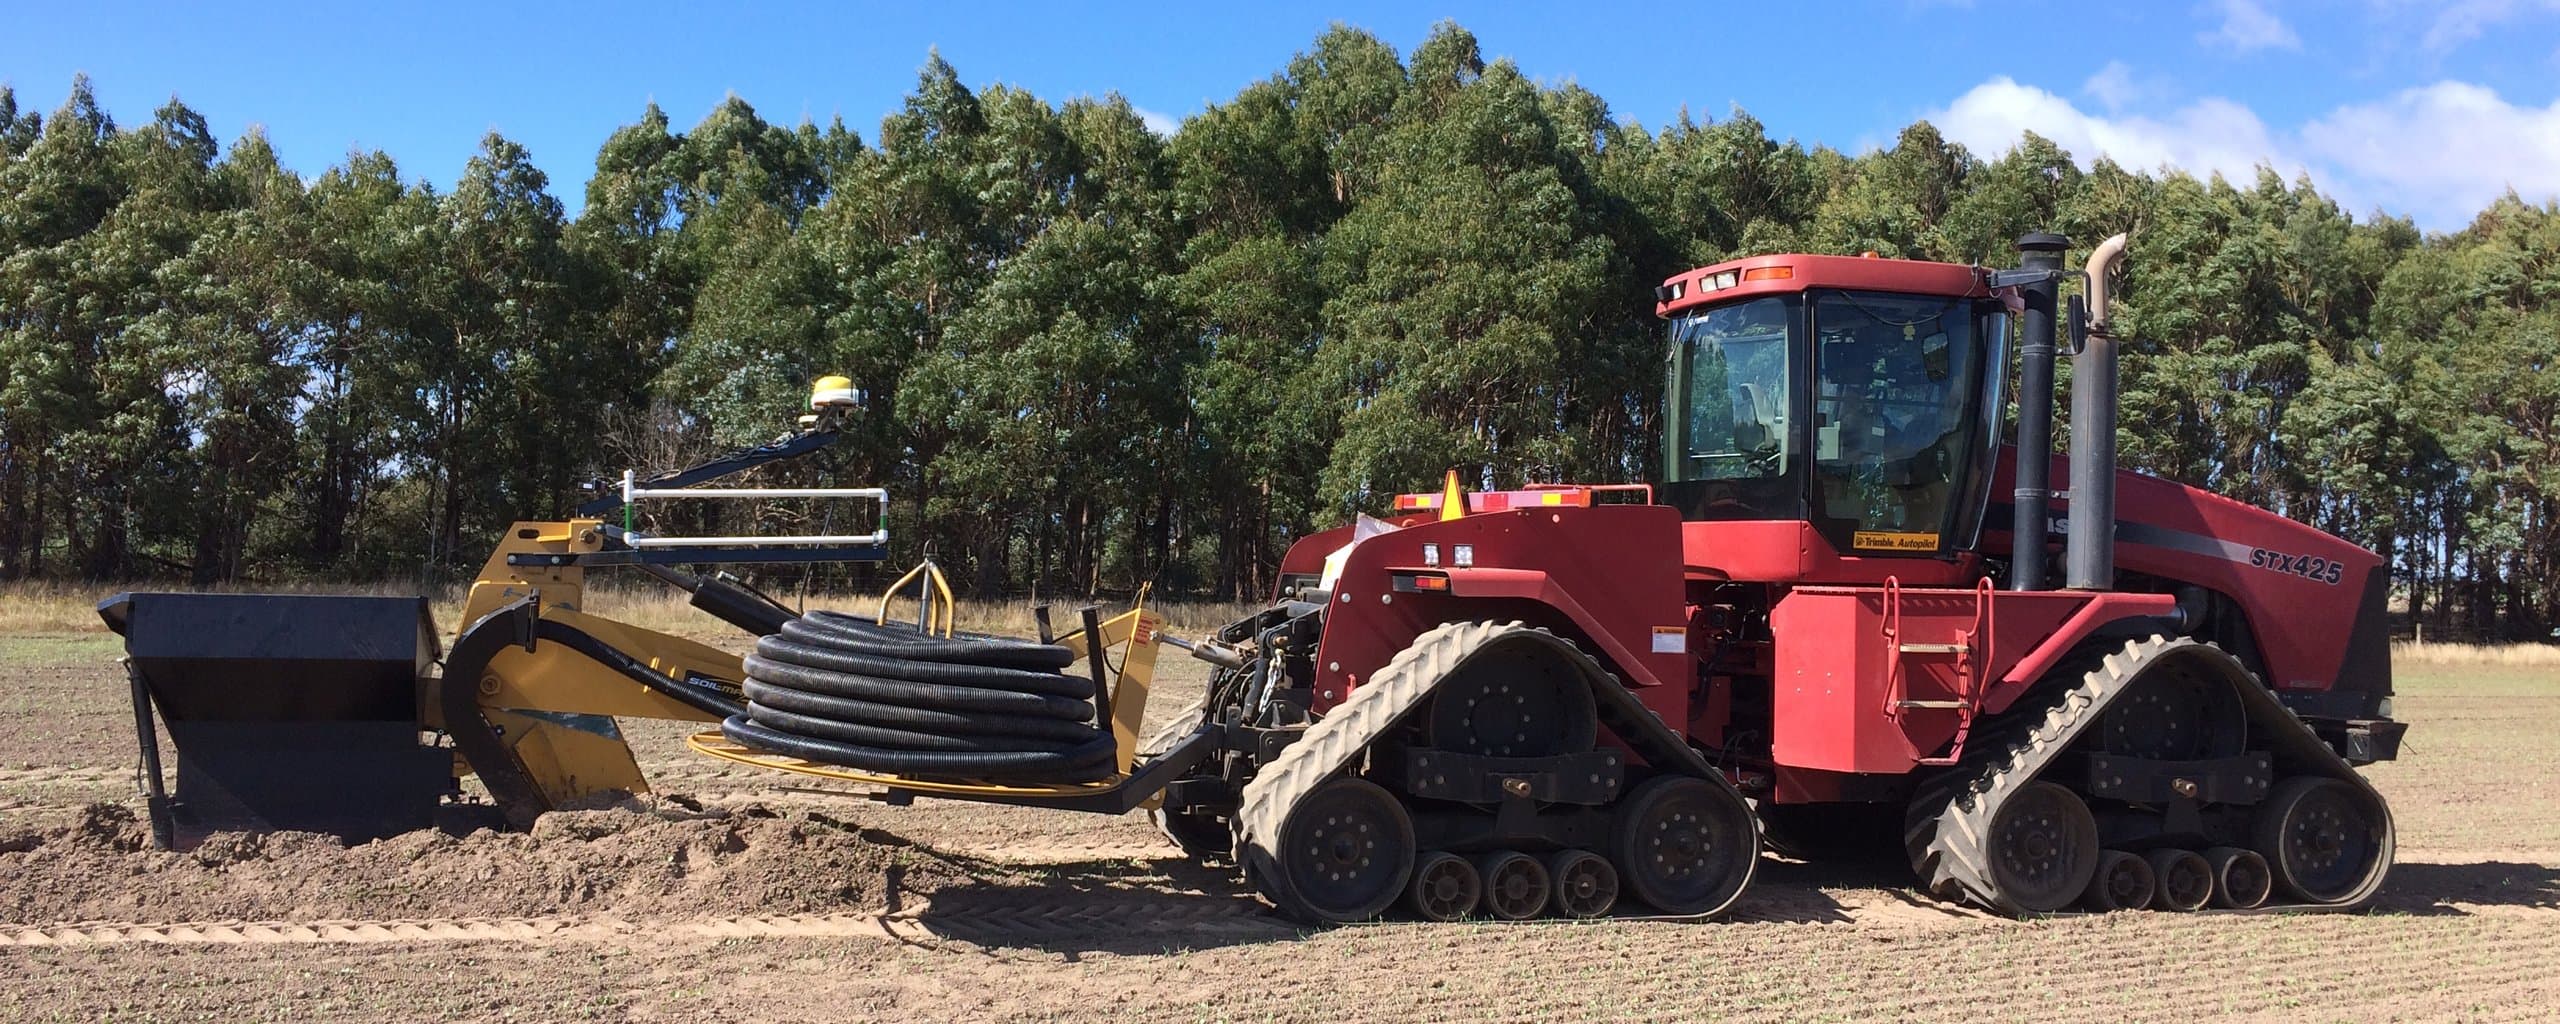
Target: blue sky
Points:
(2423, 108)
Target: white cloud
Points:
(2114, 86)
(2465, 20)
(2204, 137)
(1159, 123)
(2447, 149)
(2248, 26)
(2437, 153)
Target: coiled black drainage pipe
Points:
(844, 691)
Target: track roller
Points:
(2186, 881)
(1346, 851)
(1516, 885)
(2324, 840)
(1585, 884)
(2042, 848)
(1684, 845)
(1445, 887)
(2124, 882)
(2240, 879)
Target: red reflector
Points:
(1431, 583)
(1769, 274)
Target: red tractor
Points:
(1835, 618)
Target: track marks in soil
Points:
(990, 924)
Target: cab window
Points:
(1899, 392)
(1731, 450)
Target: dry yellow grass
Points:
(49, 608)
(72, 608)
(27, 608)
(2417, 654)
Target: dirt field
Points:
(736, 896)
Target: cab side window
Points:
(1897, 379)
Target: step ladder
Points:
(1970, 652)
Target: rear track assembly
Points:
(1968, 837)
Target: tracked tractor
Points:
(1836, 615)
(1836, 618)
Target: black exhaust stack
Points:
(2089, 560)
(2036, 252)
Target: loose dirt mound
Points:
(637, 858)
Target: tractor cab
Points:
(1860, 395)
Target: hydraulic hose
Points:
(839, 690)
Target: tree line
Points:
(1097, 356)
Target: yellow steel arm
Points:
(555, 708)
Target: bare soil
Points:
(645, 857)
(950, 911)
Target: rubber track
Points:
(1332, 744)
(1947, 848)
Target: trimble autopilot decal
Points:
(2309, 567)
(1879, 540)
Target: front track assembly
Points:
(1327, 830)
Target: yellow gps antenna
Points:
(833, 392)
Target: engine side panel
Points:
(1601, 572)
(2299, 590)
(2298, 587)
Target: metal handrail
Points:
(632, 493)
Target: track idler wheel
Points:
(1585, 884)
(1445, 887)
(2186, 881)
(1345, 853)
(2176, 711)
(2240, 879)
(1684, 845)
(1516, 885)
(2124, 882)
(2325, 841)
(2043, 848)
(1521, 698)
